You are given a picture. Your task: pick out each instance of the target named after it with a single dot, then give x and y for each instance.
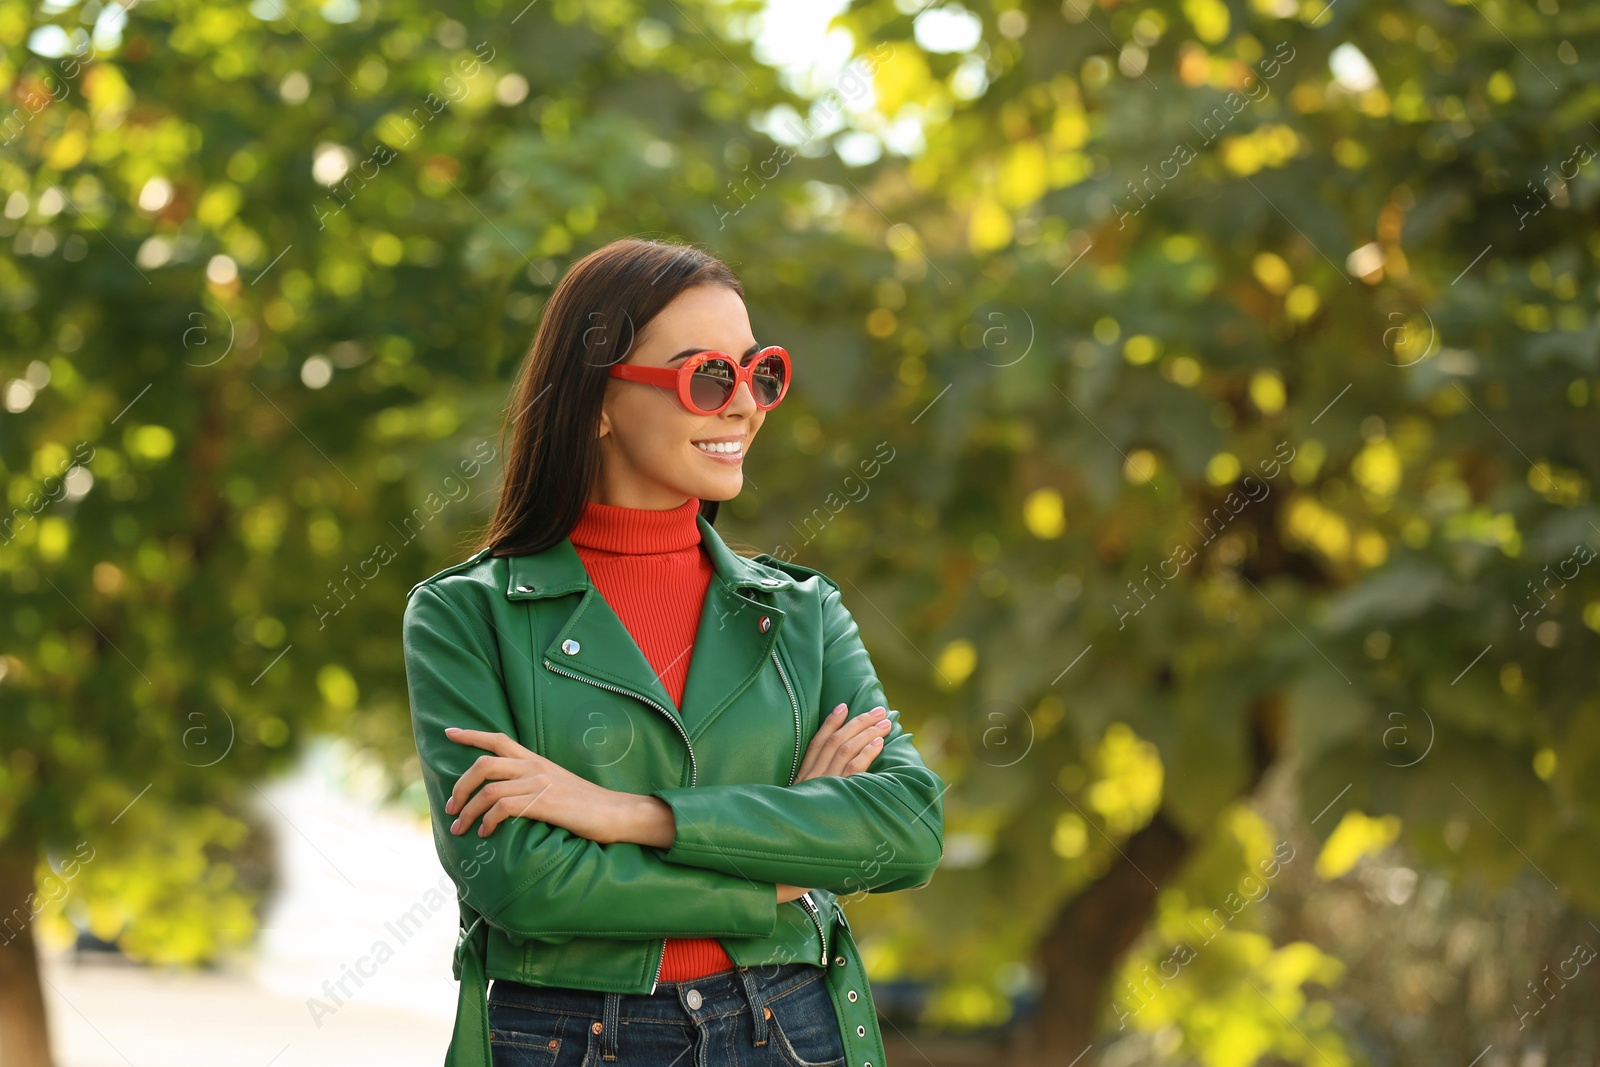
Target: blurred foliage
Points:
(1229, 355)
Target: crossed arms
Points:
(879, 830)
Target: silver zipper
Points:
(795, 704)
(811, 909)
(804, 900)
(694, 770)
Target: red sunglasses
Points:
(707, 381)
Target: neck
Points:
(621, 529)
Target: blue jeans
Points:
(777, 1015)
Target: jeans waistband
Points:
(714, 994)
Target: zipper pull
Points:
(815, 913)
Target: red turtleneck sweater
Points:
(650, 568)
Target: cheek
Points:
(655, 433)
(647, 418)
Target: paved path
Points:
(107, 1015)
(363, 899)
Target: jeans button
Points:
(694, 998)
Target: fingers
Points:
(857, 751)
(511, 806)
(814, 751)
(834, 731)
(480, 802)
(869, 751)
(498, 771)
(498, 743)
(838, 743)
(485, 766)
(499, 801)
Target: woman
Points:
(611, 706)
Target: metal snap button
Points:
(694, 998)
(861, 1031)
(524, 588)
(770, 582)
(767, 1011)
(852, 996)
(596, 1027)
(838, 961)
(570, 647)
(765, 624)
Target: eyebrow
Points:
(752, 350)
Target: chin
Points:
(725, 487)
(722, 489)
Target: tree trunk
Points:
(24, 1027)
(1080, 952)
(1082, 948)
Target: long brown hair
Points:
(592, 321)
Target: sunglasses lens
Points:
(768, 378)
(711, 385)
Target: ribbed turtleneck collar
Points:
(636, 531)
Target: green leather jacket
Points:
(527, 646)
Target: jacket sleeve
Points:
(881, 830)
(532, 879)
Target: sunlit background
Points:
(1195, 401)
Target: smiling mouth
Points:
(725, 449)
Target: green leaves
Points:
(281, 275)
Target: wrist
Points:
(653, 823)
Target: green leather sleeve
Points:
(878, 831)
(530, 878)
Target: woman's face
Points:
(649, 442)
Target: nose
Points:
(743, 402)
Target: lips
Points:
(727, 449)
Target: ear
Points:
(605, 423)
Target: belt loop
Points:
(469, 1041)
(609, 1023)
(758, 1005)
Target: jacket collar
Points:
(737, 633)
(559, 570)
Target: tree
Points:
(268, 269)
(1262, 422)
(1225, 402)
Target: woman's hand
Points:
(517, 781)
(840, 749)
(844, 748)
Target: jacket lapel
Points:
(729, 649)
(730, 646)
(593, 643)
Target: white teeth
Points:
(731, 448)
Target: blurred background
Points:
(1196, 401)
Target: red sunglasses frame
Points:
(681, 378)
